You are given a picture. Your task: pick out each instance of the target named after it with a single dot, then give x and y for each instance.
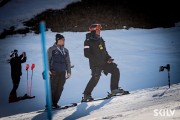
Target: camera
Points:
(161, 68)
(13, 53)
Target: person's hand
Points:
(44, 76)
(110, 60)
(68, 75)
(50, 73)
(24, 54)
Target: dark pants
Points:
(13, 94)
(57, 85)
(96, 73)
(15, 80)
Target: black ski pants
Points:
(58, 80)
(96, 73)
(15, 81)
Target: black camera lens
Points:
(161, 68)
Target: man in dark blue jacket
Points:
(59, 68)
(99, 60)
(16, 72)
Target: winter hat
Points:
(59, 36)
(13, 53)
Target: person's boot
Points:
(119, 92)
(87, 98)
(56, 106)
(53, 106)
(13, 98)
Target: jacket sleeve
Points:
(68, 62)
(87, 49)
(22, 58)
(107, 54)
(49, 53)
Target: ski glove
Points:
(68, 75)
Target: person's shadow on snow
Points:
(42, 116)
(82, 110)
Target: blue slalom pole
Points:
(45, 61)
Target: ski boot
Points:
(56, 106)
(87, 98)
(53, 106)
(13, 98)
(119, 92)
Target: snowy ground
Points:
(158, 103)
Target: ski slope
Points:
(158, 103)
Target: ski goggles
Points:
(95, 27)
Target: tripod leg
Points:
(169, 79)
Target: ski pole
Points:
(32, 67)
(27, 67)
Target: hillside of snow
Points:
(158, 103)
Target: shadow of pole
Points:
(42, 116)
(82, 111)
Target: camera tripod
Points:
(161, 68)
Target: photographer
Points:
(16, 72)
